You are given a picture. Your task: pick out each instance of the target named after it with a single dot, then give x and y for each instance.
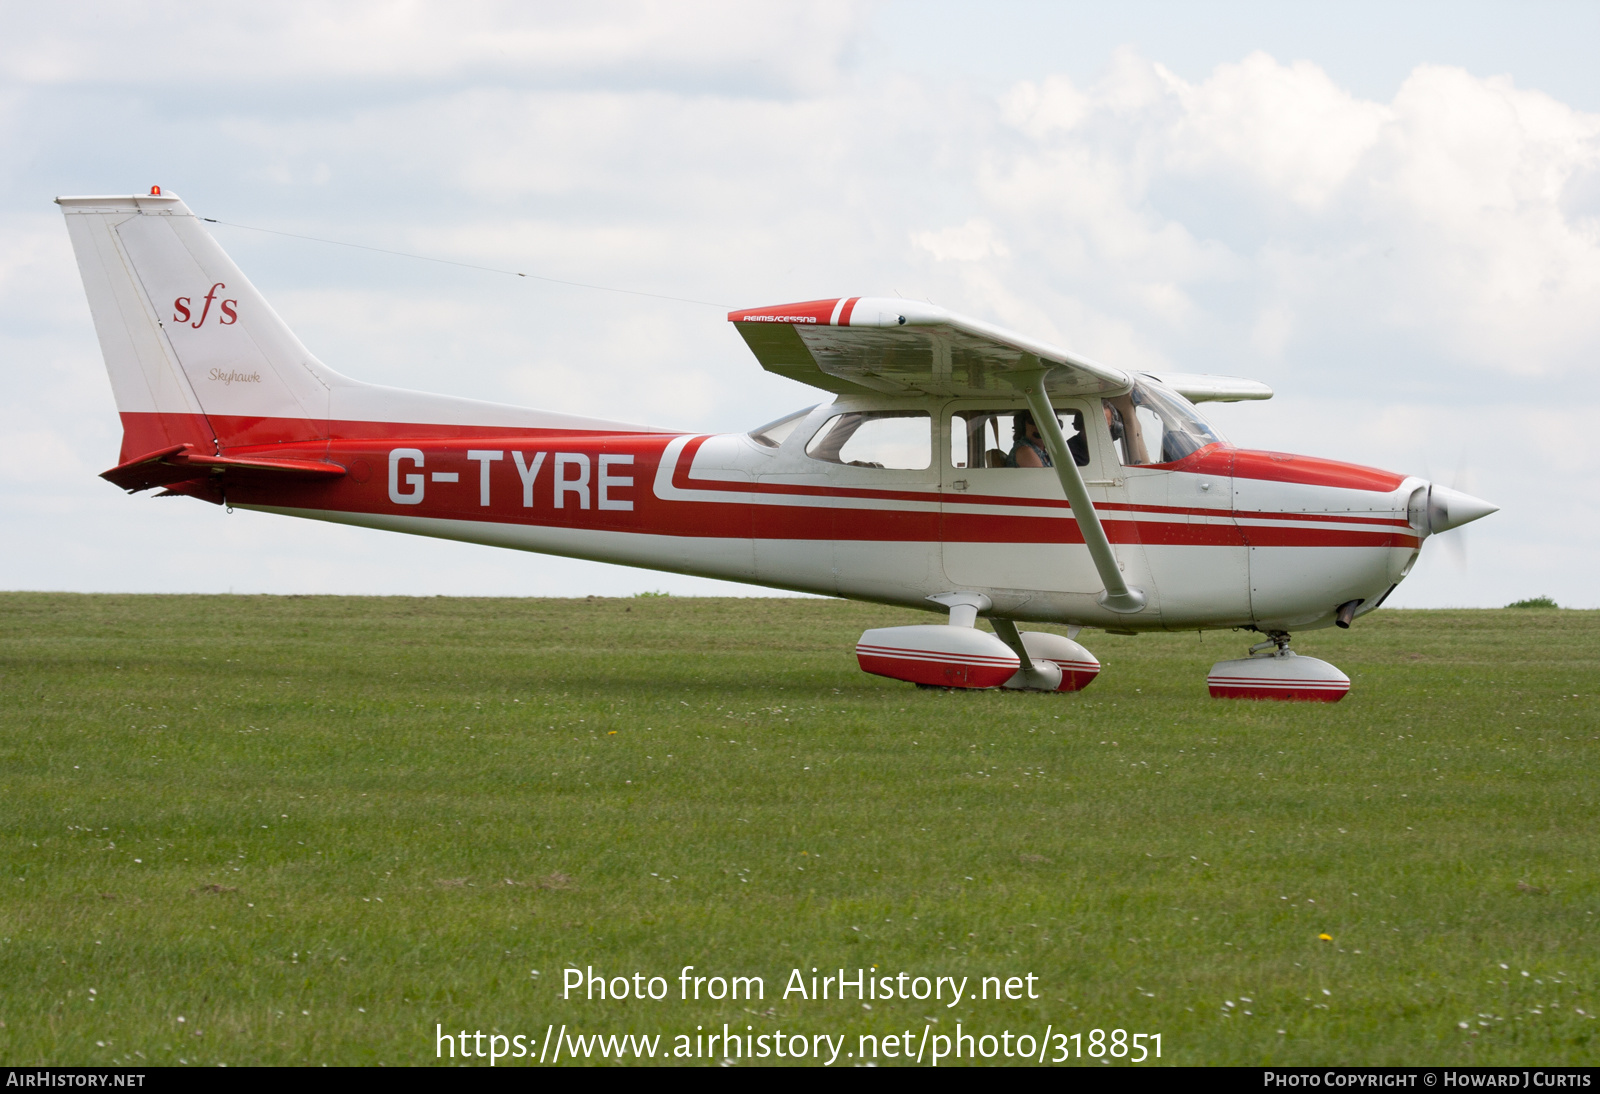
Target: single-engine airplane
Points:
(959, 467)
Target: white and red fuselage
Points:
(1226, 537)
(220, 401)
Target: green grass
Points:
(314, 827)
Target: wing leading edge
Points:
(891, 345)
(1205, 388)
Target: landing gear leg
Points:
(1274, 671)
(1275, 639)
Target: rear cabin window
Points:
(900, 440)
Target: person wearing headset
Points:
(1027, 446)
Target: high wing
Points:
(1205, 388)
(891, 345)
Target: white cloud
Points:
(1437, 219)
(1287, 129)
(969, 242)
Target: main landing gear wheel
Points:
(1274, 671)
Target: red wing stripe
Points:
(849, 308)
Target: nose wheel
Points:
(1274, 671)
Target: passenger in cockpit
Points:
(1027, 447)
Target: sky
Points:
(1390, 213)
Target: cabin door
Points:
(1008, 527)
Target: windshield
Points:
(1154, 424)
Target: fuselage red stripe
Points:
(683, 480)
(921, 516)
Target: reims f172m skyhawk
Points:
(959, 468)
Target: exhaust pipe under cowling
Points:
(1346, 612)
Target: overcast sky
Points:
(1388, 212)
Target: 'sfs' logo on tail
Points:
(182, 313)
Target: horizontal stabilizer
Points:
(181, 463)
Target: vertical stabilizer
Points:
(196, 355)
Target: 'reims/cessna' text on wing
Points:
(959, 468)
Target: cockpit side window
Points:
(1154, 425)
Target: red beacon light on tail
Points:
(155, 191)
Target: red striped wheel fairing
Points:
(936, 668)
(1304, 690)
(1075, 675)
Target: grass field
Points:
(305, 830)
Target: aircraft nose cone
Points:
(1449, 509)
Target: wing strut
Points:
(1119, 596)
